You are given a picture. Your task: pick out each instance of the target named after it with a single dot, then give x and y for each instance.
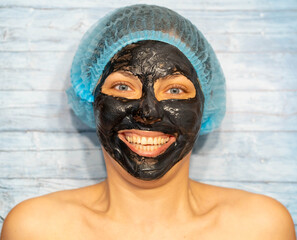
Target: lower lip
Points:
(153, 153)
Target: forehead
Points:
(152, 60)
(149, 61)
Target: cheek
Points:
(186, 115)
(110, 111)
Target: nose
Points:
(148, 111)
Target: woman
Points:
(149, 82)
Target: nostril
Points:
(148, 112)
(146, 120)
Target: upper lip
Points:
(144, 133)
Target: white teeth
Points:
(146, 148)
(143, 141)
(150, 141)
(147, 143)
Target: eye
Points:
(174, 87)
(175, 90)
(122, 87)
(122, 84)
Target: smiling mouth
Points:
(146, 143)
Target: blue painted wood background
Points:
(44, 147)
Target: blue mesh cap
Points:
(145, 22)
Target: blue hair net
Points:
(145, 22)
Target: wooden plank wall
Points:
(45, 148)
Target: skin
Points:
(123, 207)
(170, 207)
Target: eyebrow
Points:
(173, 75)
(127, 74)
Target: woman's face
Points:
(148, 108)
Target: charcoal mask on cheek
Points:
(173, 124)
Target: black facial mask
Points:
(149, 60)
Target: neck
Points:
(159, 200)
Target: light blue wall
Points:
(44, 148)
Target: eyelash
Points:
(121, 83)
(182, 88)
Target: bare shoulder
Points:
(254, 215)
(23, 221)
(270, 218)
(41, 217)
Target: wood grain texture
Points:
(49, 111)
(45, 148)
(43, 30)
(230, 21)
(20, 39)
(220, 156)
(254, 5)
(243, 71)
